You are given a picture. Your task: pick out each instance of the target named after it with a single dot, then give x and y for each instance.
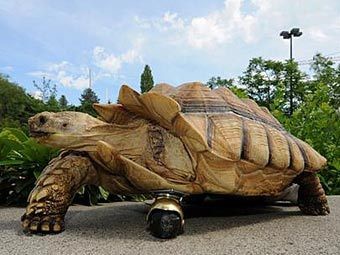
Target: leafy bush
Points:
(22, 160)
(318, 123)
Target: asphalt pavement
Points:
(218, 227)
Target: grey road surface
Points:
(213, 228)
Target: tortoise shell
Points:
(236, 146)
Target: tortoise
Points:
(170, 142)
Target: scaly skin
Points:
(312, 198)
(54, 191)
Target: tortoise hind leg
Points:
(54, 191)
(311, 198)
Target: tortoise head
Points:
(61, 128)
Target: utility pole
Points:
(294, 32)
(90, 79)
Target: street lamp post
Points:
(294, 32)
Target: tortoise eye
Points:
(42, 120)
(65, 125)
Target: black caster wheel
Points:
(165, 224)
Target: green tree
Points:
(63, 103)
(316, 118)
(16, 106)
(294, 87)
(53, 104)
(88, 97)
(12, 103)
(318, 123)
(261, 79)
(326, 72)
(240, 92)
(146, 81)
(270, 83)
(46, 88)
(217, 82)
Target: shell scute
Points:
(194, 97)
(164, 89)
(226, 135)
(279, 149)
(255, 143)
(234, 102)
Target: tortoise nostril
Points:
(42, 120)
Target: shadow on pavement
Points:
(127, 221)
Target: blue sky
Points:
(181, 40)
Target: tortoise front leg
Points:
(54, 191)
(311, 198)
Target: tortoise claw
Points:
(314, 206)
(43, 224)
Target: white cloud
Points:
(222, 26)
(169, 21)
(143, 23)
(37, 94)
(130, 56)
(173, 21)
(317, 34)
(206, 31)
(39, 74)
(6, 69)
(111, 64)
(104, 64)
(65, 74)
(247, 22)
(56, 67)
(72, 81)
(317, 21)
(108, 62)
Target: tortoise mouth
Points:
(36, 134)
